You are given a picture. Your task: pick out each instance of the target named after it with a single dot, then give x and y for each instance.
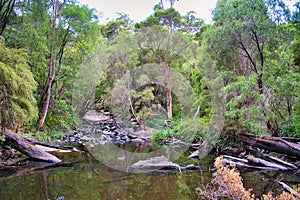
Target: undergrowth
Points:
(228, 184)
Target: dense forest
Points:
(231, 84)
(247, 62)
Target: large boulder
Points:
(155, 163)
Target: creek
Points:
(83, 177)
(102, 170)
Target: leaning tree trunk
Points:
(51, 71)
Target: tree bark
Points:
(28, 148)
(51, 70)
(169, 103)
(275, 144)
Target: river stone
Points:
(144, 133)
(155, 163)
(95, 117)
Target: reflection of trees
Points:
(45, 185)
(89, 179)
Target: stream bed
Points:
(101, 171)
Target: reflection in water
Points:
(90, 179)
(122, 156)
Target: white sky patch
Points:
(139, 10)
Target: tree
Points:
(241, 41)
(17, 104)
(112, 28)
(6, 8)
(190, 23)
(64, 32)
(172, 20)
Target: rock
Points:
(86, 138)
(155, 163)
(122, 158)
(137, 140)
(132, 136)
(95, 117)
(145, 133)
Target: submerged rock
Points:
(155, 163)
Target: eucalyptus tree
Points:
(172, 20)
(244, 40)
(63, 33)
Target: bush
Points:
(228, 184)
(189, 129)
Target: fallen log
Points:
(234, 159)
(265, 163)
(279, 161)
(53, 146)
(278, 145)
(271, 158)
(28, 148)
(242, 163)
(253, 163)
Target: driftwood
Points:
(53, 146)
(243, 163)
(275, 144)
(262, 162)
(271, 158)
(29, 148)
(279, 161)
(254, 163)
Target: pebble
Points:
(101, 131)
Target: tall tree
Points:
(64, 32)
(241, 40)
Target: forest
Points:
(236, 79)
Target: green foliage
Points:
(114, 27)
(190, 130)
(47, 136)
(2, 139)
(76, 34)
(17, 104)
(160, 134)
(61, 118)
(255, 59)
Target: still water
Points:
(84, 177)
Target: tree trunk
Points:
(28, 148)
(6, 7)
(169, 103)
(51, 70)
(275, 144)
